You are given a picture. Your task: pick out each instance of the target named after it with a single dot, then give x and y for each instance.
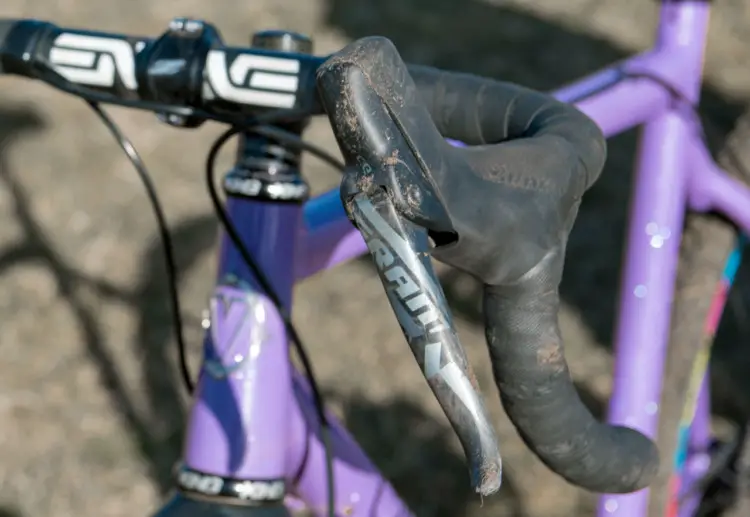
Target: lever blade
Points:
(400, 251)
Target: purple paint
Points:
(268, 428)
(238, 427)
(647, 287)
(643, 96)
(712, 189)
(269, 232)
(328, 238)
(238, 424)
(588, 86)
(657, 209)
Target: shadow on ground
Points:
(191, 237)
(14, 124)
(466, 35)
(417, 456)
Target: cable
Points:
(166, 239)
(266, 286)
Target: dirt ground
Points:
(91, 409)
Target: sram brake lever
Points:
(395, 155)
(400, 250)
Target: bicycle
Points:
(267, 93)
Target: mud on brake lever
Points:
(389, 141)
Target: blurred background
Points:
(91, 407)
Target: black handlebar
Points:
(388, 122)
(189, 65)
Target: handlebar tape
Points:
(550, 152)
(481, 111)
(521, 320)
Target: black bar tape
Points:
(542, 402)
(521, 319)
(481, 111)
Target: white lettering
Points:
(286, 190)
(381, 254)
(93, 60)
(250, 77)
(406, 289)
(205, 484)
(252, 187)
(246, 186)
(260, 490)
(406, 286)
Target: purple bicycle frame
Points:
(253, 416)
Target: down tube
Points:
(655, 227)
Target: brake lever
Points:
(401, 252)
(390, 192)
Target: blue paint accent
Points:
(682, 447)
(733, 262)
(323, 210)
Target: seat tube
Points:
(646, 291)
